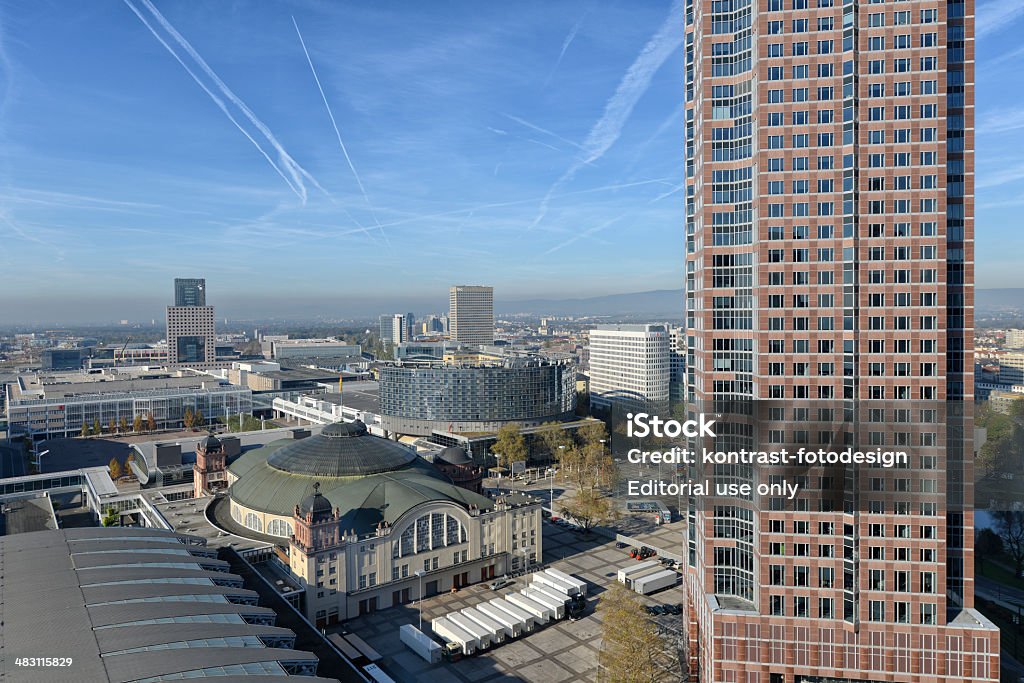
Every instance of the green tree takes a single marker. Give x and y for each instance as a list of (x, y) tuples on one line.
[(589, 508), (189, 419), (198, 419), (137, 424), (110, 518), (510, 446), (553, 436), (85, 429), (150, 422), (115, 469), (632, 650)]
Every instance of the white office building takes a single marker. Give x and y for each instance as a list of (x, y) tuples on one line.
[(471, 314), (630, 366)]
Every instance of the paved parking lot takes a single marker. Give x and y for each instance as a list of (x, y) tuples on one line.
[(565, 652)]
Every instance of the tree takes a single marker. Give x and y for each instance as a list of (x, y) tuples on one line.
[(510, 446), (85, 429), (110, 518), (115, 469), (123, 425), (127, 464), (1009, 524), (137, 423), (592, 432), (589, 508), (96, 429), (112, 426), (553, 436), (150, 422), (199, 419), (987, 544), (189, 418), (632, 650)]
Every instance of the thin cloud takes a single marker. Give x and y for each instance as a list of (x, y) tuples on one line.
[(994, 15), (518, 202), (565, 46), (584, 235), (1004, 176), (334, 124), (1002, 121), (289, 169), (620, 106), (545, 131)]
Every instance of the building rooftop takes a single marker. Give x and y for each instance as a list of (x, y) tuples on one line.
[(126, 601), (368, 478), (26, 515)]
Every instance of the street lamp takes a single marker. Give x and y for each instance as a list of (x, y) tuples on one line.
[(561, 448), (39, 459), (419, 603)]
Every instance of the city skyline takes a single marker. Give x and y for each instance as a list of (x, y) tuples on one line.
[(114, 154)]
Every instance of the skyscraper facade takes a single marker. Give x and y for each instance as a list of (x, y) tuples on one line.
[(189, 291), (191, 335), (829, 262), (471, 314)]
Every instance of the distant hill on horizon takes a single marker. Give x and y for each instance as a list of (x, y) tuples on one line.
[(659, 302)]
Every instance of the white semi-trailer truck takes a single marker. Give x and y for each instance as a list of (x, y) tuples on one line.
[(459, 641), (649, 583), (420, 643)]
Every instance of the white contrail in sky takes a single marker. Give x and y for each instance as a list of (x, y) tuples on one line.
[(341, 143), (286, 166), (545, 131), (620, 106), (565, 46)]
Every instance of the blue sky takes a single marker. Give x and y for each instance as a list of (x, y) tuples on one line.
[(533, 146)]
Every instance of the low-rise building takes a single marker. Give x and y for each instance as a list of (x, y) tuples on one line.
[(57, 404)]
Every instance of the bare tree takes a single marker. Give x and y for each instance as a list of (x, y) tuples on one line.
[(1009, 524)]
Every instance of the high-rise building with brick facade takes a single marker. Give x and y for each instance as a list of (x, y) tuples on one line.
[(829, 267)]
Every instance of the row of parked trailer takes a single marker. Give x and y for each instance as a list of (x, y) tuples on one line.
[(551, 596), (647, 577)]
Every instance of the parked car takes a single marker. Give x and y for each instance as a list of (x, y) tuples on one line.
[(498, 584)]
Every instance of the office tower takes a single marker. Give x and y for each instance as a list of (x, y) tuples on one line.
[(629, 367), (191, 337), (677, 363), (410, 326), (829, 240), (189, 291), (471, 314), (400, 328), (386, 322)]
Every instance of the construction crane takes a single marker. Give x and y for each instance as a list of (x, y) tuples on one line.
[(121, 352)]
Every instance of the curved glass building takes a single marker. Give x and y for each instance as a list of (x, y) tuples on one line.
[(479, 398)]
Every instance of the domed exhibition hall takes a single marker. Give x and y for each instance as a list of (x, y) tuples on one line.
[(362, 522)]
